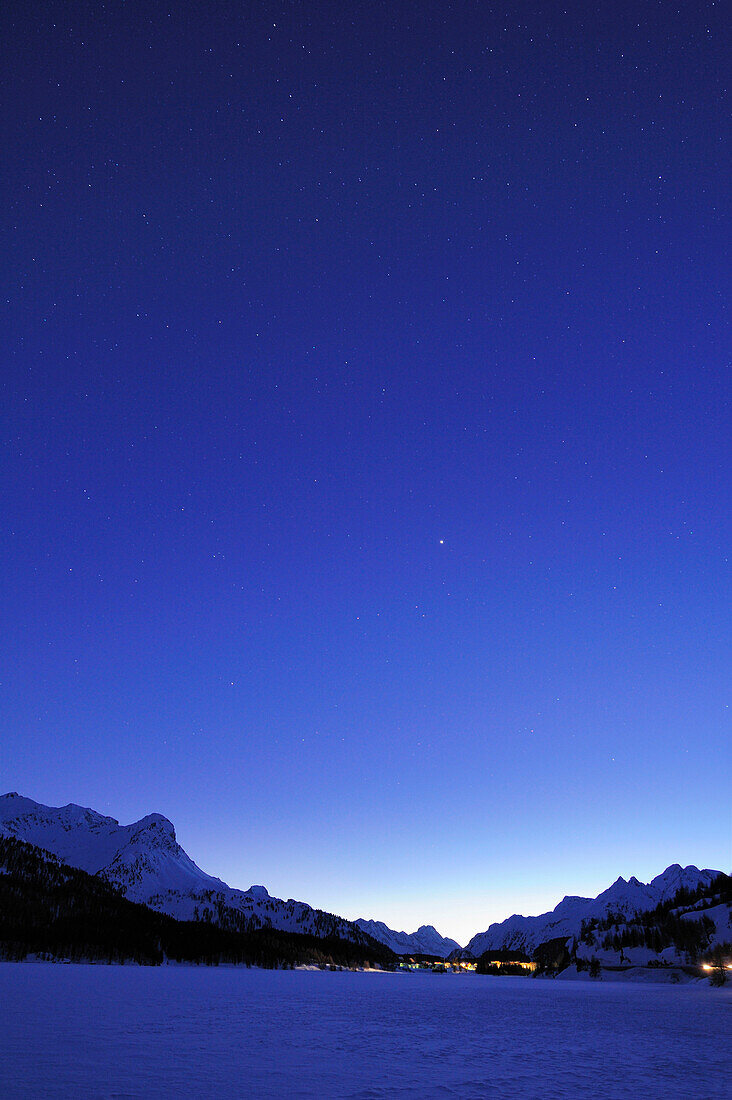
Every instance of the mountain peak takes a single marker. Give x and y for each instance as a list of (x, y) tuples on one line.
[(13, 804), (260, 892), (156, 823), (628, 897), (426, 940), (145, 862)]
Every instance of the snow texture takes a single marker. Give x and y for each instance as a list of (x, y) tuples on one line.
[(111, 1032)]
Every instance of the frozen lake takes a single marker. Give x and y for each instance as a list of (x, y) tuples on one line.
[(102, 1032)]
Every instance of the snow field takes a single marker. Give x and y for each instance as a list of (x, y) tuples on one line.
[(177, 1032)]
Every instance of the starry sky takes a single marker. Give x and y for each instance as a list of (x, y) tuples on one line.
[(365, 440)]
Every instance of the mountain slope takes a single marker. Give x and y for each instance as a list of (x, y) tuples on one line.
[(425, 941), (141, 858), (624, 898), (145, 861), (51, 909), (679, 930)]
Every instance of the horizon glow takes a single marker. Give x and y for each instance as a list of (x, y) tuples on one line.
[(366, 443)]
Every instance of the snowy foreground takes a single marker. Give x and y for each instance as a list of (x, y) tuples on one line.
[(104, 1031)]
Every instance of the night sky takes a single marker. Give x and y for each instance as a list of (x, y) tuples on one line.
[(365, 440)]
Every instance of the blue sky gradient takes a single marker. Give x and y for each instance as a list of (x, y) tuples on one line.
[(365, 420)]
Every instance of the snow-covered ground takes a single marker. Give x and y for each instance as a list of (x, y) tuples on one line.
[(107, 1032)]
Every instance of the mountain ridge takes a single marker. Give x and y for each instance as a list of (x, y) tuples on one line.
[(425, 941), (147, 864), (624, 897)]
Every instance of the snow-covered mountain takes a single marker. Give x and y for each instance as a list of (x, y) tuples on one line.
[(425, 941), (141, 859), (624, 898), (146, 862)]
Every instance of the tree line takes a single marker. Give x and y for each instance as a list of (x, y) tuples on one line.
[(51, 910)]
